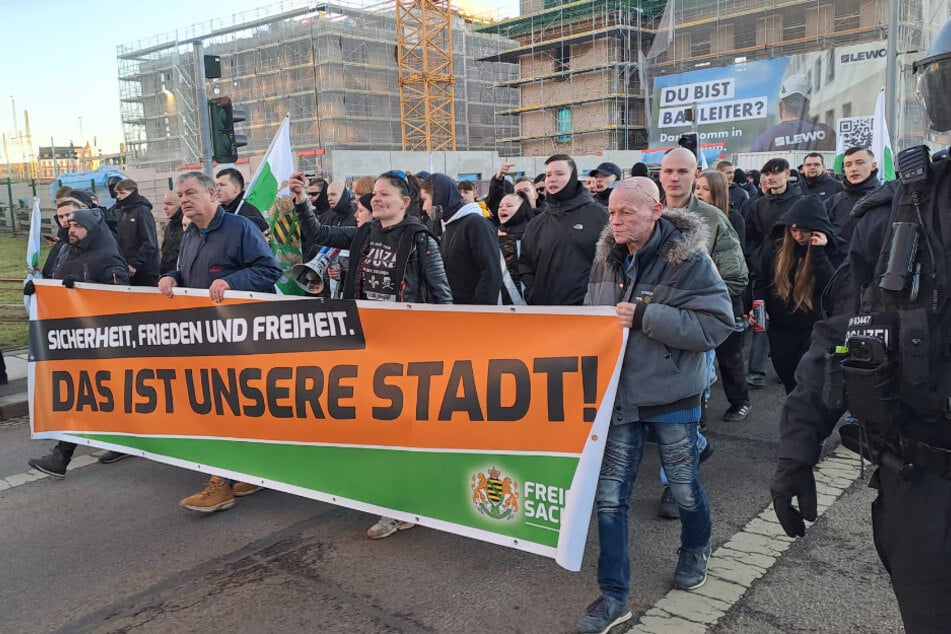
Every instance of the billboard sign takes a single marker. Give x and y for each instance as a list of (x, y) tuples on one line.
[(778, 105)]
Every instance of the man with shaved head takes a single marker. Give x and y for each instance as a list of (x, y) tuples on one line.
[(652, 265), (678, 175)]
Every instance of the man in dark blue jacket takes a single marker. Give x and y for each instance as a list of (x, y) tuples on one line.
[(219, 251)]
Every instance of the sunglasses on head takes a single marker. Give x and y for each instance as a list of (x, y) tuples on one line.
[(399, 175)]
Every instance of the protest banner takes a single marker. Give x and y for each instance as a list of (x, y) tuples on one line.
[(488, 422)]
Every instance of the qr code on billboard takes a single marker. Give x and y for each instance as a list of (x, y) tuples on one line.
[(855, 131)]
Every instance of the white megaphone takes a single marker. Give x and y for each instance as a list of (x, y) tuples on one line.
[(310, 275)]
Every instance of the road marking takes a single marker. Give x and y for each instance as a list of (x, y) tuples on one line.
[(746, 557), (19, 479)]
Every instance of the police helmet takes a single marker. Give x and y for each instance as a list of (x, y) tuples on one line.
[(934, 82)]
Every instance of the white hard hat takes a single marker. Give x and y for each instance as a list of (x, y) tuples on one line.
[(796, 84)]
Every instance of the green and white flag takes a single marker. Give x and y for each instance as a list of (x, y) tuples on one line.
[(33, 271), (269, 192), (881, 142)]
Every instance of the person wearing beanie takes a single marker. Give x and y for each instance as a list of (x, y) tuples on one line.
[(804, 253), (640, 169), (470, 249), (558, 246)]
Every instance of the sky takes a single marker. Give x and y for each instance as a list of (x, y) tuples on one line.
[(59, 61)]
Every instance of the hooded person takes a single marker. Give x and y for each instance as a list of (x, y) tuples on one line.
[(92, 254), (558, 246), (806, 251), (515, 212), (341, 214), (469, 246)]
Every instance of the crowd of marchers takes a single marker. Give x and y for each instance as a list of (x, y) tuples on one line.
[(699, 265)]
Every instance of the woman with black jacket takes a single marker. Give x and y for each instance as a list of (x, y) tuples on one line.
[(805, 255)]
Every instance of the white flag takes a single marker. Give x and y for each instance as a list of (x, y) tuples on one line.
[(33, 271), (881, 142)]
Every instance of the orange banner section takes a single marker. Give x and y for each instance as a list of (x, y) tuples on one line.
[(425, 378)]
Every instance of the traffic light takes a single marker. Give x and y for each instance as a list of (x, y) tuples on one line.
[(689, 141), (224, 142)]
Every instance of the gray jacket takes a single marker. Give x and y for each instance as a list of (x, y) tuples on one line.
[(686, 312)]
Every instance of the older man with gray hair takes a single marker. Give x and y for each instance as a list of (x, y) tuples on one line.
[(219, 251), (653, 266)]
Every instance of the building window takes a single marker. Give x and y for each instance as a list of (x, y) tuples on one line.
[(564, 124), (562, 59)]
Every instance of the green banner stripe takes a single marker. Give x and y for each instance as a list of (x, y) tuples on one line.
[(469, 489)]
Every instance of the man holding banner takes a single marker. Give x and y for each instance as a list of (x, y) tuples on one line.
[(220, 252), (653, 266)]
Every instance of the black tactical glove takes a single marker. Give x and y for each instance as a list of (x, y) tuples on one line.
[(29, 288), (70, 280), (794, 479)]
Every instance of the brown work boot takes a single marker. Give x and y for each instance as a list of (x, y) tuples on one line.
[(216, 496)]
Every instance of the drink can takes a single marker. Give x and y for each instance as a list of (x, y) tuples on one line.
[(759, 315)]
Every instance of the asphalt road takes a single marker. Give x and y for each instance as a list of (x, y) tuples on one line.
[(108, 550)]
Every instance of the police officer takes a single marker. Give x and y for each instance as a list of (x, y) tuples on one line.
[(891, 306)]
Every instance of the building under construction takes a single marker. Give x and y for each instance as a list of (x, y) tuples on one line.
[(585, 68), (332, 67)]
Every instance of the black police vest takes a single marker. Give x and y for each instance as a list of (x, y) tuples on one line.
[(918, 315)]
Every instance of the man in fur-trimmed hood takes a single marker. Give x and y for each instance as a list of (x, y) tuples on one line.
[(654, 267)]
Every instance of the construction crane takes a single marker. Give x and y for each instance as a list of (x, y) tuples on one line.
[(427, 84)]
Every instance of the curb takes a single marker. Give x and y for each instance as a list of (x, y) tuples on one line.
[(13, 406)]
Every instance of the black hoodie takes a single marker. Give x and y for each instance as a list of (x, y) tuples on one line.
[(470, 249), (510, 236), (341, 214), (807, 213), (761, 215)]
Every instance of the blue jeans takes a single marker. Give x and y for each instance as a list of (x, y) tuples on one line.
[(677, 447)]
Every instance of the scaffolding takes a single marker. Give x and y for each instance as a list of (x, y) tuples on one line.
[(332, 67), (581, 74), (585, 68)]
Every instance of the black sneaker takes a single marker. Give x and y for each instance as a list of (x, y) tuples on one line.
[(603, 614), (112, 456), (737, 413), (52, 464), (691, 568), (668, 508), (754, 379)]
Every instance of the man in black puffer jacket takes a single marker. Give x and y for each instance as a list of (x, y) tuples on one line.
[(137, 240), (558, 246)]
